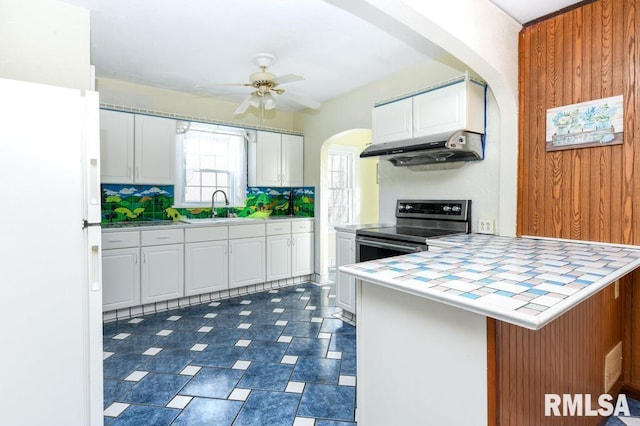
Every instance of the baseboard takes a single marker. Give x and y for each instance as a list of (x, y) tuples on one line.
[(151, 308)]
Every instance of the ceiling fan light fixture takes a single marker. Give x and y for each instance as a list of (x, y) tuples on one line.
[(269, 101), (255, 101)]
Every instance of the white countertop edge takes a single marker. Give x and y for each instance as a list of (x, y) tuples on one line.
[(499, 313), (222, 222), (594, 243)]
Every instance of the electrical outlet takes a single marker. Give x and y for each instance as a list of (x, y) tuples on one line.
[(486, 226)]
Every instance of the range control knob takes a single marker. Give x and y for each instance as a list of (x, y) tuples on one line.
[(446, 208), (455, 209)]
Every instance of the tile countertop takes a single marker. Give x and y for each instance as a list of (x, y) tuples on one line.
[(526, 281)]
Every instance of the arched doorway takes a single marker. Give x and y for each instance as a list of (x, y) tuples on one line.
[(348, 190)]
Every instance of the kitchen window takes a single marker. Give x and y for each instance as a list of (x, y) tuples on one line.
[(210, 158), (342, 176)]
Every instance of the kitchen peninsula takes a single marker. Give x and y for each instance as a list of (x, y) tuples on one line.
[(422, 318)]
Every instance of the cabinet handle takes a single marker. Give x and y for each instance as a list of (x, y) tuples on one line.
[(289, 242), (137, 172), (293, 242), (129, 173), (162, 238), (144, 258), (114, 241), (135, 258)]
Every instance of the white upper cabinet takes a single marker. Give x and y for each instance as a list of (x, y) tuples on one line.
[(136, 148), (116, 147), (268, 159), (278, 160), (458, 106), (292, 154), (393, 121), (154, 150), (445, 110)]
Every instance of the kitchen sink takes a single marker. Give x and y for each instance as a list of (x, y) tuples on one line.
[(214, 220)]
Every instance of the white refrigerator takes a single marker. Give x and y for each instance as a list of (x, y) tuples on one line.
[(50, 265)]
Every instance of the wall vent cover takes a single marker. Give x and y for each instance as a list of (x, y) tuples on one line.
[(612, 366)]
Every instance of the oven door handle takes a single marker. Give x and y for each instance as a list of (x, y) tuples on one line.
[(378, 244)]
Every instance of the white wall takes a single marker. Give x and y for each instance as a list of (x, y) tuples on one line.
[(45, 41), (486, 39)]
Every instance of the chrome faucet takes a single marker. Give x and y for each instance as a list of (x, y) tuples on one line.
[(213, 196)]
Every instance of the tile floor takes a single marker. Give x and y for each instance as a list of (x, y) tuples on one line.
[(634, 410), (279, 357)]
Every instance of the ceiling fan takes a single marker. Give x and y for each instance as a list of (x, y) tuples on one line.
[(267, 84)]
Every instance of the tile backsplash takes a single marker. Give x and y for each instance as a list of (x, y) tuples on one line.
[(126, 202)]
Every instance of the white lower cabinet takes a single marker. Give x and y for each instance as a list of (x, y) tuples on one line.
[(148, 266), (162, 267), (289, 249), (278, 257), (302, 254), (345, 284), (120, 278), (246, 261), (206, 267), (162, 272), (206, 262)]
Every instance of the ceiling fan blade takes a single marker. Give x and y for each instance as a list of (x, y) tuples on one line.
[(232, 84), (303, 100), (287, 78), (246, 103)]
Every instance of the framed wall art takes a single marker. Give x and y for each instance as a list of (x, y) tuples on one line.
[(584, 125)]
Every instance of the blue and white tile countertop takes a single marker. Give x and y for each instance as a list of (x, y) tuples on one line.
[(523, 281)]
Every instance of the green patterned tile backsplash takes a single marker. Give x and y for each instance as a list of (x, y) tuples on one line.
[(154, 202)]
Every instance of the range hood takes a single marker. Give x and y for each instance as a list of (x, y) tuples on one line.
[(437, 149)]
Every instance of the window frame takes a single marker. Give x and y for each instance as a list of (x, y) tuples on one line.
[(236, 195), (353, 152)]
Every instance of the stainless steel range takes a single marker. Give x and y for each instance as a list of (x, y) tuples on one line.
[(416, 222)]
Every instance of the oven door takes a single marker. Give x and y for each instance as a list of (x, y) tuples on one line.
[(368, 248)]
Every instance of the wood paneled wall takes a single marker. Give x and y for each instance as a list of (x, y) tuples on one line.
[(586, 53)]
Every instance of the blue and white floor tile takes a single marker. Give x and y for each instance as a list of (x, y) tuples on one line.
[(279, 357)]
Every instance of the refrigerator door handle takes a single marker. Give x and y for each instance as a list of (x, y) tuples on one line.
[(94, 242)]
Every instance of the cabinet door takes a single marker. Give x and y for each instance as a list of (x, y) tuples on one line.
[(116, 147), (162, 273), (246, 261), (120, 278), (393, 121), (292, 160), (345, 284), (206, 267), (440, 111), (268, 159), (154, 150), (278, 257), (302, 254)]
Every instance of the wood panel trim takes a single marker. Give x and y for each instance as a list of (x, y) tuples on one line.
[(492, 373)]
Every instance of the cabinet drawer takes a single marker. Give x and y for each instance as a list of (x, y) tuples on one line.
[(116, 240), (196, 235), (278, 228), (246, 231), (160, 237), (301, 226)]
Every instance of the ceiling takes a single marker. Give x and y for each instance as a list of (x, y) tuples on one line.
[(196, 46)]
